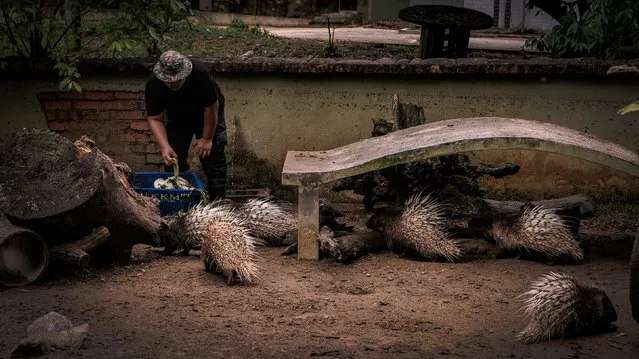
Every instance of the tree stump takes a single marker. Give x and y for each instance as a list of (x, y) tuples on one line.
[(63, 190)]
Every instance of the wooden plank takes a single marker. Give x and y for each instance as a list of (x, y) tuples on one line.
[(312, 168), (308, 222)]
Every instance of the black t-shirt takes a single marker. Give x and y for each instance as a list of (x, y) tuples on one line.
[(184, 109)]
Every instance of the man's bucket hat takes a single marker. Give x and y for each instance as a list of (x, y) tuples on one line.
[(172, 66)]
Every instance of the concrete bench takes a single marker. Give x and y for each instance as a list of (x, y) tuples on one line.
[(309, 169)]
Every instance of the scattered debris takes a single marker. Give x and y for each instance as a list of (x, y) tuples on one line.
[(49, 333)]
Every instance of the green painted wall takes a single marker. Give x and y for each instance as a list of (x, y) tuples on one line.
[(385, 9), (277, 113)]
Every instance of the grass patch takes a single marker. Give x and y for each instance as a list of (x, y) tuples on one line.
[(199, 40)]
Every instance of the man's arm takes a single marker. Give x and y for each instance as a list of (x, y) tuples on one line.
[(210, 121), (159, 132), (204, 144)]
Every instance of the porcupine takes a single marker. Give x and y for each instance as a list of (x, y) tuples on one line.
[(418, 228), (559, 307), (537, 231), (221, 233), (268, 219)]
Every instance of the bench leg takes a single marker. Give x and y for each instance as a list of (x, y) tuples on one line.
[(308, 222)]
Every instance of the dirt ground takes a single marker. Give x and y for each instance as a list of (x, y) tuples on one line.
[(382, 306)]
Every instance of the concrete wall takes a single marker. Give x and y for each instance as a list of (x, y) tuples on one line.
[(276, 113), (385, 9), (219, 18)]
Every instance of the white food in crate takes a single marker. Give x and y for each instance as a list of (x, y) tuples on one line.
[(172, 182)]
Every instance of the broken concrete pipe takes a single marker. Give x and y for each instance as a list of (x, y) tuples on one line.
[(24, 255)]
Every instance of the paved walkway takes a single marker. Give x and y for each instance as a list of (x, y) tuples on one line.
[(385, 36)]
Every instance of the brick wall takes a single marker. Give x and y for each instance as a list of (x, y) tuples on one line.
[(116, 121)]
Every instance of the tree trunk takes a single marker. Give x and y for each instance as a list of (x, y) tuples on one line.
[(63, 190)]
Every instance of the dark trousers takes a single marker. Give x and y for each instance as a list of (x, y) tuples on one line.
[(214, 165)]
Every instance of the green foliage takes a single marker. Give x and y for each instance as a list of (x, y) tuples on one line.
[(238, 25), (607, 29), (148, 22), (68, 71), (53, 29), (242, 27), (331, 50), (38, 29)]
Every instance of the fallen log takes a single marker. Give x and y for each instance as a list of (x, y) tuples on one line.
[(347, 248), (63, 190), (572, 209), (75, 253), (24, 255), (583, 202)]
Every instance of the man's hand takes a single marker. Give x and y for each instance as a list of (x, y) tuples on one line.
[(169, 156), (203, 147)]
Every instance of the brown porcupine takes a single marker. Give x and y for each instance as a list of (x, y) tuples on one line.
[(418, 228), (559, 307), (219, 230), (268, 219), (537, 231)]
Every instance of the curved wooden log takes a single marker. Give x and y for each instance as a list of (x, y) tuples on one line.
[(309, 169), (63, 190), (312, 168)]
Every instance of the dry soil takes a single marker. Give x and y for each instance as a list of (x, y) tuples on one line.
[(382, 306)]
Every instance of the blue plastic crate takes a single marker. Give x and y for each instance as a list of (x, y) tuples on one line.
[(171, 200)]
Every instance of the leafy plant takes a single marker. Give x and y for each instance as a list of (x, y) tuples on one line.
[(331, 50), (240, 26), (53, 30), (68, 71), (41, 30), (625, 68), (149, 22), (607, 29)]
